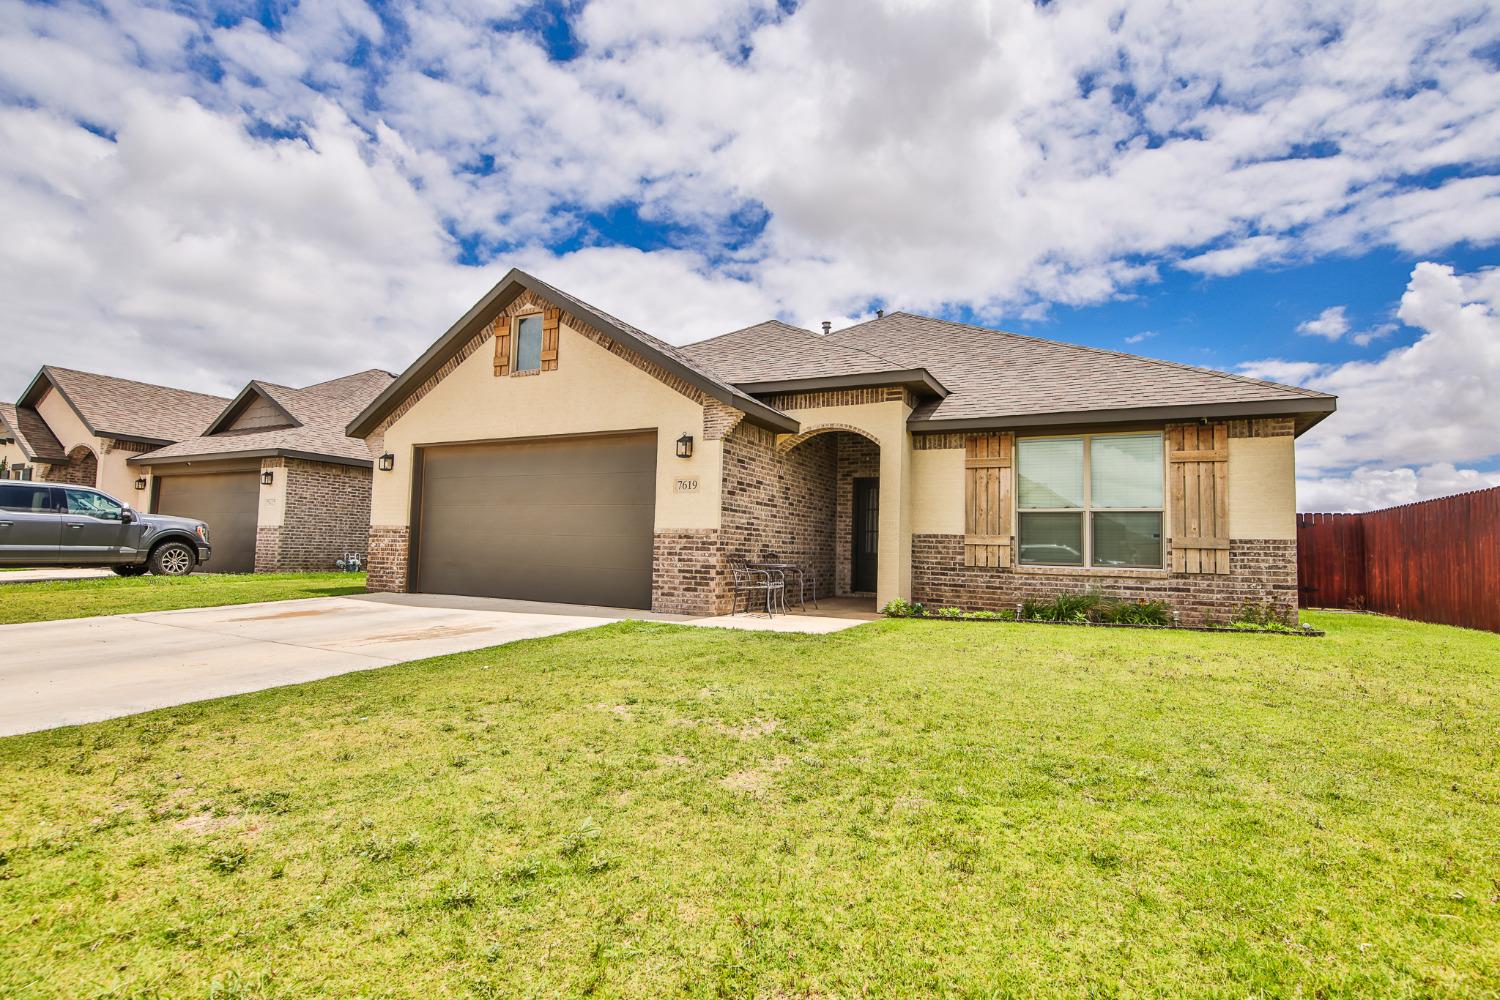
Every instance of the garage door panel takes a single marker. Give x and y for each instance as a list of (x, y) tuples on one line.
[(229, 503), (484, 492), (567, 520)]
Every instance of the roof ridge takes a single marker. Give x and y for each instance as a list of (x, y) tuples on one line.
[(746, 329), (118, 378), (1311, 393), (341, 378)]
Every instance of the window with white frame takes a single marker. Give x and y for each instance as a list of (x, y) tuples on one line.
[(1090, 500), (528, 344)]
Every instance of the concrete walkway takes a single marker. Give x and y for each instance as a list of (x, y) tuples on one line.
[(86, 669), (56, 573)]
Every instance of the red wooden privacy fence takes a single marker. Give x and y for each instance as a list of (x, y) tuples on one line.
[(1435, 561)]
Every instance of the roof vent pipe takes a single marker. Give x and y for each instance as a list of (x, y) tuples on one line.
[(827, 327), (880, 314)]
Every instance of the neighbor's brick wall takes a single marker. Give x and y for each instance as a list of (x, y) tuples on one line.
[(82, 469), (327, 516), (858, 458), (687, 572), (1260, 570), (387, 562)]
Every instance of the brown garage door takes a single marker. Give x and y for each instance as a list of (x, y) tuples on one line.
[(228, 502), (566, 520)]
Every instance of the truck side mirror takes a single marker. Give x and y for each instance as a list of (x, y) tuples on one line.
[(127, 515)]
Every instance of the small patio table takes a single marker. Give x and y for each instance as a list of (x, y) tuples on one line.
[(802, 578)]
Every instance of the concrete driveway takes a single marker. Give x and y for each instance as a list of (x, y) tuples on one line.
[(67, 672)]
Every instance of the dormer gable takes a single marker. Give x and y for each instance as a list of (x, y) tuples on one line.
[(256, 408)]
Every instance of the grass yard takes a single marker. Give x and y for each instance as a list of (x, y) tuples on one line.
[(45, 602), (909, 808)]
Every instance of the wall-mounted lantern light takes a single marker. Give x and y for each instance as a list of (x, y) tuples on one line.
[(387, 462), (266, 477), (685, 446), (140, 482)]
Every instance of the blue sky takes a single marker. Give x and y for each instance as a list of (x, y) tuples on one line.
[(202, 194)]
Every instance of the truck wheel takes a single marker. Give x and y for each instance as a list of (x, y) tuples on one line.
[(173, 559), (129, 570)]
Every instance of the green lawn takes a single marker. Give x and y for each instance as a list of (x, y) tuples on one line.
[(43, 602), (906, 809)]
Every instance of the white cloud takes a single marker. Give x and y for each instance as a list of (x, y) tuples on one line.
[(1140, 338), (1371, 488), (1365, 338), (1330, 324), (999, 156), (1407, 419)]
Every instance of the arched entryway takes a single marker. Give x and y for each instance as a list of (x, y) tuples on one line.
[(82, 468), (829, 490)]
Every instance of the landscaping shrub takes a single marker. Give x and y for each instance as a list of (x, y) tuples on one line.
[(1259, 616), (903, 609), (1134, 613)]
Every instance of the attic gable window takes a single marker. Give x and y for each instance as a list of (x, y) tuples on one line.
[(528, 344)]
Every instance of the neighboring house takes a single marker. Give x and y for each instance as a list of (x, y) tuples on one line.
[(543, 449), (81, 428), (272, 472)]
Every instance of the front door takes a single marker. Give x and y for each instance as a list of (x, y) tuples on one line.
[(866, 542)]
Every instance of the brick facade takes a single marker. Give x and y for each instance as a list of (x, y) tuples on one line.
[(687, 572), (1260, 571), (82, 469), (780, 500), (387, 559), (327, 516)]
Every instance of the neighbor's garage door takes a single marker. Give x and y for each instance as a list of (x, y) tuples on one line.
[(228, 502), (566, 520)]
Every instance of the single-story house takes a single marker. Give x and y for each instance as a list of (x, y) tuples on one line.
[(281, 486), (272, 472), (82, 428), (543, 449)]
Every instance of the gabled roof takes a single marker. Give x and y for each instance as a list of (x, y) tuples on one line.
[(318, 415), (31, 432), (776, 357), (991, 378), (505, 292), (124, 409), (254, 390)]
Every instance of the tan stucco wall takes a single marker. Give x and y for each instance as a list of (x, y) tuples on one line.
[(1262, 487), (886, 423), (273, 497), (591, 391), (115, 477), (937, 492)]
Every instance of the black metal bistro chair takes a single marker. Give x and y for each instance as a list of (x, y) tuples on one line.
[(774, 561), (751, 581)]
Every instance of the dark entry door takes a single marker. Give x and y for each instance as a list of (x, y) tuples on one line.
[(866, 542), (560, 519)]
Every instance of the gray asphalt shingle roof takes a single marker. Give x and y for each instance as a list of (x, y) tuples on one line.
[(988, 373), (31, 433), (323, 410), (113, 406)]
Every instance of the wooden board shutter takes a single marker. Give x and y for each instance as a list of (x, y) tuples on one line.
[(502, 344), (551, 320), (988, 459), (1198, 479)]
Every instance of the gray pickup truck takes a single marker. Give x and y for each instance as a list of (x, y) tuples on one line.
[(48, 524)]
